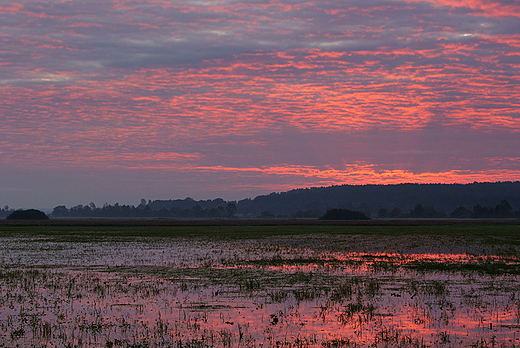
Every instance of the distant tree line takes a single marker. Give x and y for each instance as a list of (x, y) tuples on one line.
[(219, 208), (223, 210), (313, 202), (477, 200), (500, 211)]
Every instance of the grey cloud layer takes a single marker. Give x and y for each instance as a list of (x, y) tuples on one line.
[(145, 34)]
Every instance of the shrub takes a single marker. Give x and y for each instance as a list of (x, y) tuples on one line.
[(30, 214), (343, 214)]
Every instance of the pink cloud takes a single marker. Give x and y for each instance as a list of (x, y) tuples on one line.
[(167, 86)]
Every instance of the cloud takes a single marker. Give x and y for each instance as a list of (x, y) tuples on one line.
[(151, 84), (358, 174)]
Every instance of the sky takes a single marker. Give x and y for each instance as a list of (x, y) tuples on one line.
[(110, 101)]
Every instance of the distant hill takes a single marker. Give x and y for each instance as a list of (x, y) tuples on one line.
[(313, 202)]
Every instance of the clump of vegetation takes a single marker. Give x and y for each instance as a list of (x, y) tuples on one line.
[(343, 214), (29, 214)]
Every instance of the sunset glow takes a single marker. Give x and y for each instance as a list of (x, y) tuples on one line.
[(124, 99)]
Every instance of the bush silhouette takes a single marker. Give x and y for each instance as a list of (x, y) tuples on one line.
[(343, 214), (30, 214)]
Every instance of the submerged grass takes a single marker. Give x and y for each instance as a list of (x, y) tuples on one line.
[(484, 267)]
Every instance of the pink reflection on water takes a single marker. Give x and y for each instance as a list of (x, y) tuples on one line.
[(376, 306), (398, 258)]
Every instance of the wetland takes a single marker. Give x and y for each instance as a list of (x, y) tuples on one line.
[(426, 285)]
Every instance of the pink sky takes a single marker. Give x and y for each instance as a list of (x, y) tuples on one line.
[(118, 100)]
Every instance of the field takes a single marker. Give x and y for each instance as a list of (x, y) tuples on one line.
[(265, 285)]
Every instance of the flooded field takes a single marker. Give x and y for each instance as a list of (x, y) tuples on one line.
[(209, 287)]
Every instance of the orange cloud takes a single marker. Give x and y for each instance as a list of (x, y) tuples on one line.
[(362, 174)]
